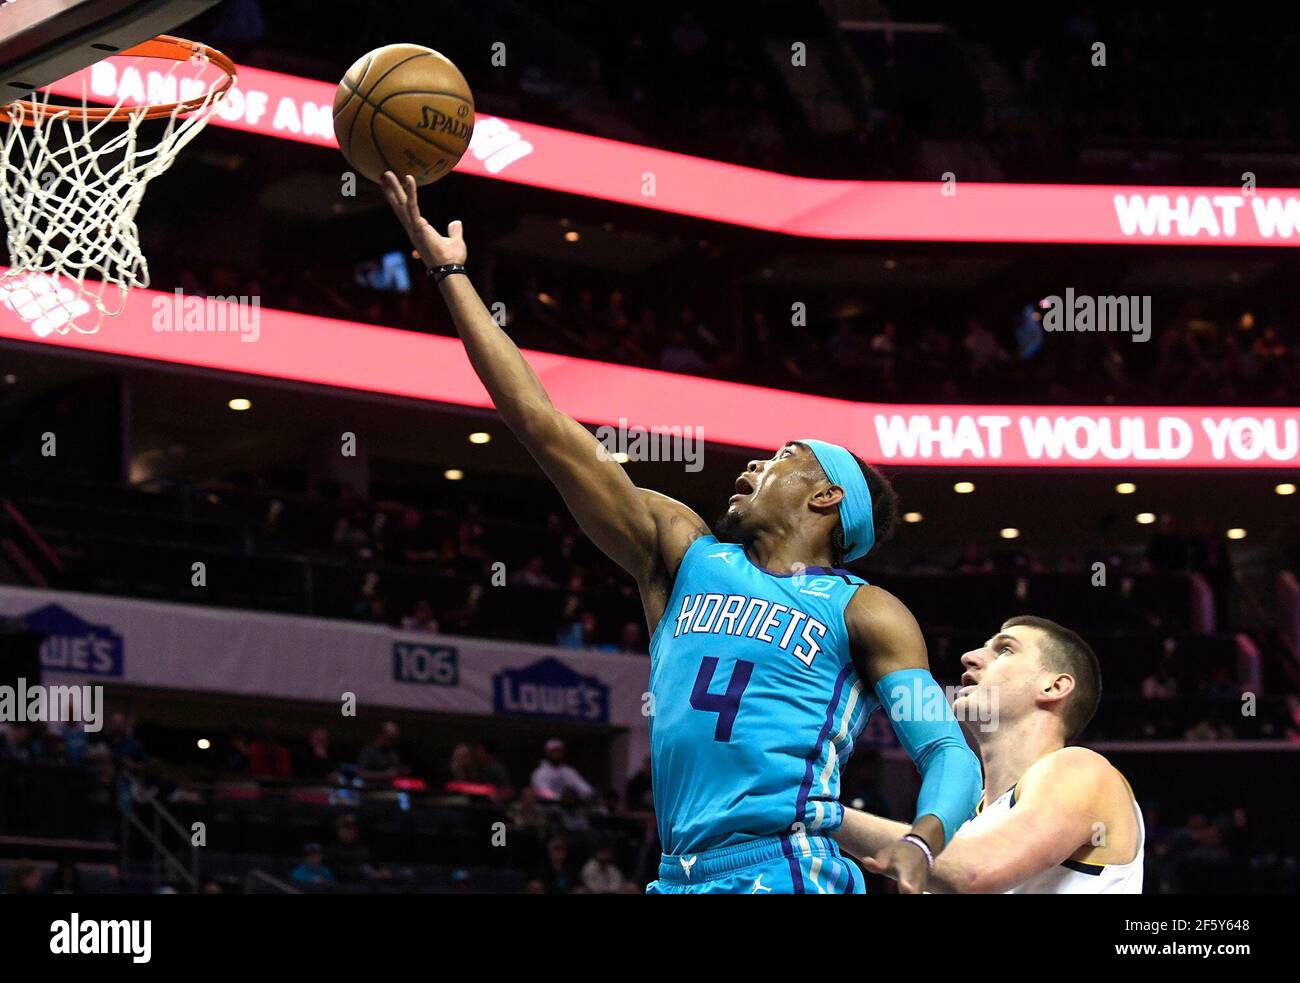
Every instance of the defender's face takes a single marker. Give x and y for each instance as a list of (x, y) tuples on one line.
[(1005, 672), (772, 488)]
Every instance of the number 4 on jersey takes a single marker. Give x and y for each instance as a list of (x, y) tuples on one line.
[(727, 705)]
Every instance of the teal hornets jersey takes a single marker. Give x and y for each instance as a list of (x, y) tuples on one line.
[(755, 702)]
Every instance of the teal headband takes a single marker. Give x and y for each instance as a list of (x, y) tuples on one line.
[(855, 507)]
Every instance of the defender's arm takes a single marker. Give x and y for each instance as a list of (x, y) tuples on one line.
[(1055, 814)]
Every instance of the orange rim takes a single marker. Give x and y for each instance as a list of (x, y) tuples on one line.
[(165, 47)]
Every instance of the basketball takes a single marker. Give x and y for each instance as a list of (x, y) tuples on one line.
[(403, 108)]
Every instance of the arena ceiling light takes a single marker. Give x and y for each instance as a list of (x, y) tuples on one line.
[(1285, 488), (1126, 488), (480, 437), (1146, 518), (964, 487)]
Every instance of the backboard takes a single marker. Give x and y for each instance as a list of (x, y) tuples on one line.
[(42, 41)]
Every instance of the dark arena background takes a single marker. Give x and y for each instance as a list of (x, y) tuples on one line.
[(338, 616)]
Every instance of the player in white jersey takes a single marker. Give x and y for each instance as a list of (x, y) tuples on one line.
[(1053, 819)]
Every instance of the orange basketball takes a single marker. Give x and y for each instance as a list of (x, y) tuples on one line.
[(403, 108)]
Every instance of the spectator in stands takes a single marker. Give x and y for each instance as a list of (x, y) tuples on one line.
[(580, 632), (472, 556), (267, 757), (639, 794), (1168, 550), (370, 604), (127, 752), (1160, 685), (379, 760), (1202, 730), (468, 618), (350, 859), (27, 879), (487, 769), (679, 356), (527, 812), (66, 879), (376, 610), (972, 560), (556, 874), (414, 541), (1293, 712), (311, 872), (552, 777), (983, 352), (273, 521), (1221, 685), (17, 743), (614, 319), (421, 618), (235, 758), (462, 763), (351, 533), (72, 740), (632, 638), (317, 760), (600, 875), (574, 813), (532, 573), (541, 304)]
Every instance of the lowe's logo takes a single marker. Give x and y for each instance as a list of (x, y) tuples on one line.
[(74, 645), (550, 688)]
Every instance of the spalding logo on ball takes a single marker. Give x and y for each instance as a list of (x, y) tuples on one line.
[(403, 108)]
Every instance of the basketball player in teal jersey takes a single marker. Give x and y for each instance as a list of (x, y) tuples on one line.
[(766, 658)]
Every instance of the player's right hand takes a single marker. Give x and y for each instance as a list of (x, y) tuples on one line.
[(434, 249), (905, 863)]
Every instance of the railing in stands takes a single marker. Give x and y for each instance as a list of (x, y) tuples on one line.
[(165, 864), (256, 877), (33, 536)]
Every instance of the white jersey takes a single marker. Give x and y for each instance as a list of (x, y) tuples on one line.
[(1073, 876)]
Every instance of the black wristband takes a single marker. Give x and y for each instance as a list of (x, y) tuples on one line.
[(440, 273)]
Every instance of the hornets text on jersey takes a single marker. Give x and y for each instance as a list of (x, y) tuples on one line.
[(755, 702)]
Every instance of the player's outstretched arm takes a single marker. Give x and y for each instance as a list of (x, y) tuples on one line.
[(889, 650), (1060, 805), (865, 834), (1057, 812), (642, 531)]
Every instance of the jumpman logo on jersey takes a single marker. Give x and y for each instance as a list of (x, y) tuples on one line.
[(726, 557), (760, 886), (687, 863)]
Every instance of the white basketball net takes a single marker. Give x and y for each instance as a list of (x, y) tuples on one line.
[(69, 191)]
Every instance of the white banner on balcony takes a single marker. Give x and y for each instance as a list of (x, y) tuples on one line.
[(95, 639)]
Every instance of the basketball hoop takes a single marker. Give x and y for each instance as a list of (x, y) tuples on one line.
[(72, 177)]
